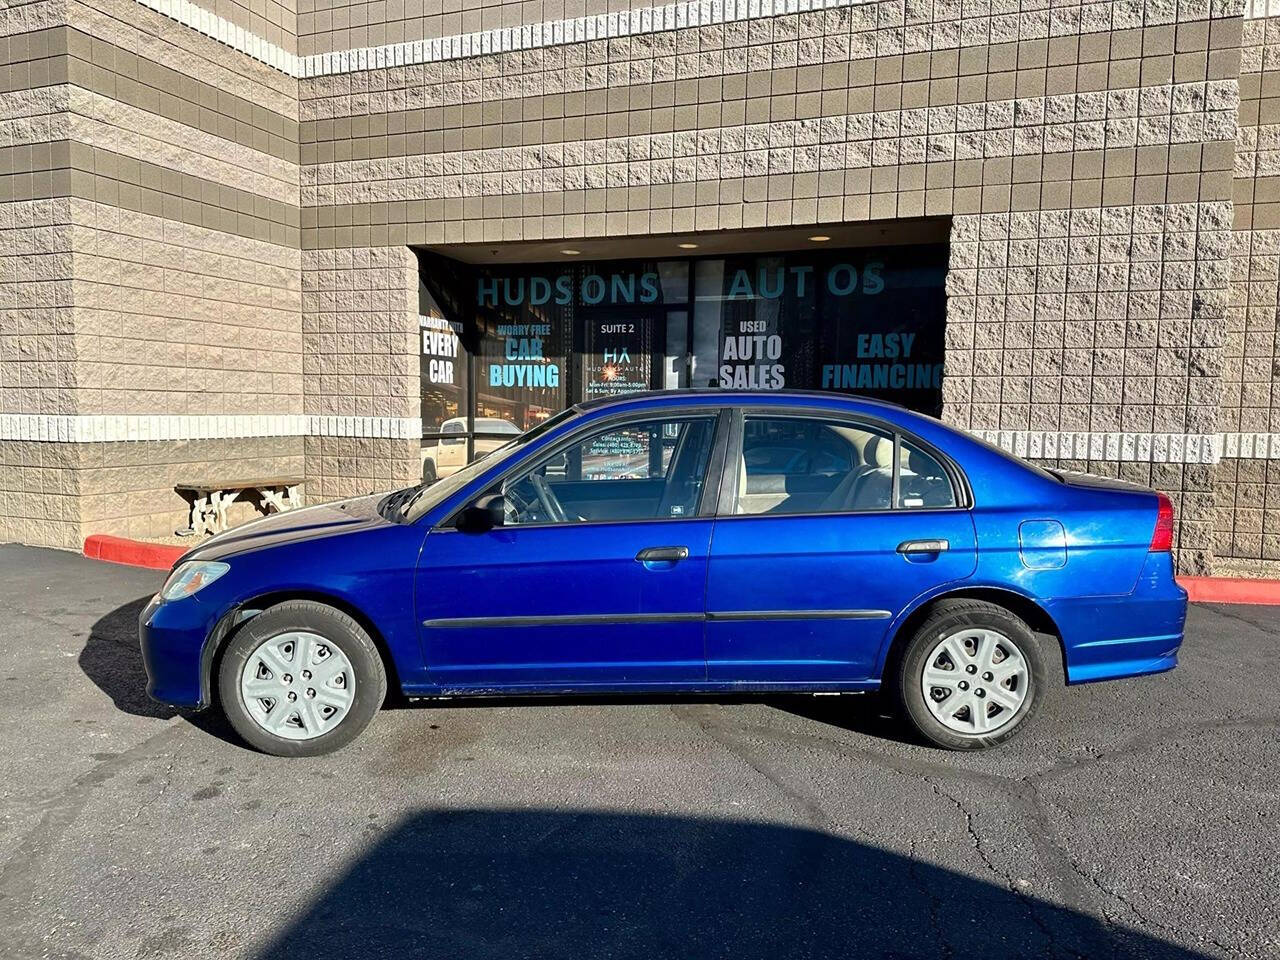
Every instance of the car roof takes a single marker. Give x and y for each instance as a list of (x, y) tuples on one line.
[(703, 396)]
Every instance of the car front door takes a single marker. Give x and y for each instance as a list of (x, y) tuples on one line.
[(821, 542), (597, 574)]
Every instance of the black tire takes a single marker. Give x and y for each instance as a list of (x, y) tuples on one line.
[(946, 618), (336, 629), (429, 471)]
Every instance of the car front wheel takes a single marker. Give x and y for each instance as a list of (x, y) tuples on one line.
[(301, 679), (970, 676)]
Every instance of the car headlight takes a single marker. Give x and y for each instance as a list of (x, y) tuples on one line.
[(192, 577)]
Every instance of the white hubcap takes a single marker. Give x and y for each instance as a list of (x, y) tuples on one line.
[(297, 685), (975, 681)]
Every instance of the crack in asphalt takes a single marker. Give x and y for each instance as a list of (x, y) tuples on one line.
[(1142, 917), (1049, 853), (700, 718), (1149, 739), (931, 898), (163, 789), (1025, 799), (1024, 795)]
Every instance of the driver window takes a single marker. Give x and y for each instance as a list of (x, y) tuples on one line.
[(643, 470)]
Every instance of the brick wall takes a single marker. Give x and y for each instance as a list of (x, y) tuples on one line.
[(360, 330), (218, 236), (276, 21), (1247, 521), (1093, 320), (149, 229)]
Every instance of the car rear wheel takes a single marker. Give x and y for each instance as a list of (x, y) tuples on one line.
[(301, 679), (970, 676)]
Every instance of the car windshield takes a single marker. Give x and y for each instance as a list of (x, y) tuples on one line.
[(409, 503)]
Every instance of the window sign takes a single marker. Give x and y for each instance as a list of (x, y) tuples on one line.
[(439, 350), (885, 337), (618, 357), (620, 454), (612, 314), (443, 369), (865, 320), (751, 356), (523, 345), (524, 362)]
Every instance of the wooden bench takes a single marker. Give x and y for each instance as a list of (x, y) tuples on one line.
[(210, 500)]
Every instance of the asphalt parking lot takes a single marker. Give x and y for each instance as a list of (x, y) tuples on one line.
[(1137, 819)]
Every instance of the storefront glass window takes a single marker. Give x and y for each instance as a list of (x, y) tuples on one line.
[(511, 345)]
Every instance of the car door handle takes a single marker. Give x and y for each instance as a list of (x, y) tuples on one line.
[(662, 554), (923, 546)]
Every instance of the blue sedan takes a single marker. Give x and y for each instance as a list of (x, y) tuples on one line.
[(688, 542)]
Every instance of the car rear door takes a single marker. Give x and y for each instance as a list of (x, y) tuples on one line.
[(609, 594), (802, 590)]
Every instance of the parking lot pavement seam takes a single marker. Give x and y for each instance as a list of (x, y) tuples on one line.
[(1232, 613), (1147, 740), (696, 716)]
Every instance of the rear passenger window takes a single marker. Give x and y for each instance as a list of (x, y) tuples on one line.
[(803, 465), (795, 465), (923, 482)]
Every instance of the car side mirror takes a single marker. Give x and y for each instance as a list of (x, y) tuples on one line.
[(484, 514)]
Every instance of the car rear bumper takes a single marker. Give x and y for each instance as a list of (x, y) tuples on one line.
[(1106, 638), (173, 638)]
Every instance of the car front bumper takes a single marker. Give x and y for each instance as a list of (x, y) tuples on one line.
[(175, 650), (1106, 638)]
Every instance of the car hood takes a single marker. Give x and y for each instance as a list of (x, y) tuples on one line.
[(292, 526)]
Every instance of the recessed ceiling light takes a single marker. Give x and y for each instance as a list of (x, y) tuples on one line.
[(687, 246), (571, 253), (819, 238)]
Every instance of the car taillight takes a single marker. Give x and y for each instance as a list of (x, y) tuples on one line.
[(1162, 538)]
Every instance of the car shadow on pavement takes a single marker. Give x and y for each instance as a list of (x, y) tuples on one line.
[(565, 884), (869, 714), (864, 713), (112, 659)]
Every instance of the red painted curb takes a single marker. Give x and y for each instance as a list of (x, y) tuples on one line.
[(1231, 590), (133, 553)]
